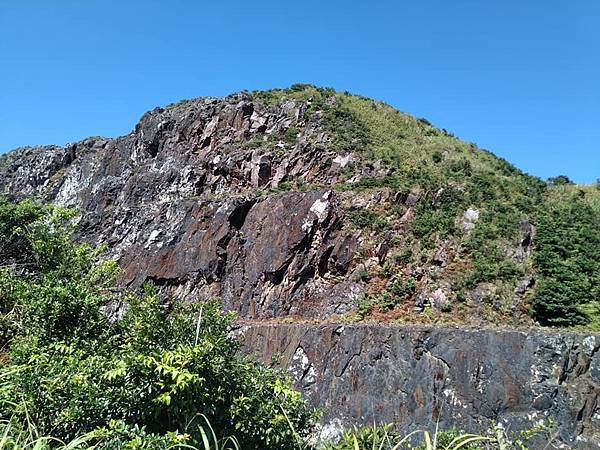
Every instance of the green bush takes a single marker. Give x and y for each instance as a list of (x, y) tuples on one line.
[(291, 135), (404, 288), (567, 258), (365, 218), (437, 212), (559, 180), (398, 291), (156, 371)]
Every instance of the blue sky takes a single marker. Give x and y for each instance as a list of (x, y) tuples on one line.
[(520, 78)]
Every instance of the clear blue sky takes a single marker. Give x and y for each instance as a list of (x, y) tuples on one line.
[(520, 78)]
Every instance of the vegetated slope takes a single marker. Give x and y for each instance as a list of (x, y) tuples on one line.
[(311, 203)]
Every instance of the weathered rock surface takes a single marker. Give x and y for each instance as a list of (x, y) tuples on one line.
[(177, 202), (251, 201), (417, 376)]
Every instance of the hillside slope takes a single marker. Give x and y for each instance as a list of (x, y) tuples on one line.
[(307, 203)]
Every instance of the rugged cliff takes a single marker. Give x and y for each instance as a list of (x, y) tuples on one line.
[(309, 205), (302, 202), (420, 376), (182, 202)]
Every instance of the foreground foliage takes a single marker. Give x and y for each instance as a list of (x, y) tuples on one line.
[(149, 377), (378, 437), (382, 437)]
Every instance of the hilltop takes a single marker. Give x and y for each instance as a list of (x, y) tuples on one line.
[(310, 204)]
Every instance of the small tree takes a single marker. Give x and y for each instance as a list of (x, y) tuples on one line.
[(567, 257), (559, 180)]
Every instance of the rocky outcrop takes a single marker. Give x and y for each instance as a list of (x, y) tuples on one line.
[(181, 202), (460, 378), (270, 205)]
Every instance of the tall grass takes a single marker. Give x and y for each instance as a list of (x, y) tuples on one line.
[(382, 438), (16, 438), (25, 436)]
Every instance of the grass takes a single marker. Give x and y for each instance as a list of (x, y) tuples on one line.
[(591, 310), (377, 437), (27, 437), (564, 194), (382, 437)]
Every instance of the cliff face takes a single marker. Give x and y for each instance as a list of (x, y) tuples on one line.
[(289, 203), (419, 376), (307, 204), (182, 202)]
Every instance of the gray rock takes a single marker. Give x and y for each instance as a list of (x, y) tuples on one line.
[(438, 299), (470, 217), (177, 203), (527, 233), (466, 379), (441, 257)]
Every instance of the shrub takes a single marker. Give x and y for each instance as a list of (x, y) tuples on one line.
[(155, 372), (436, 213), (368, 437), (567, 257), (404, 288), (382, 437), (291, 135), (365, 218), (559, 180)]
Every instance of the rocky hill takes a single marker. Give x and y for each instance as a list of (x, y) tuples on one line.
[(309, 204), (306, 205)]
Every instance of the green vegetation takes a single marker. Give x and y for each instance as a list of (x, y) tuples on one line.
[(402, 154), (367, 219), (456, 177), (14, 438), (378, 437), (149, 377), (560, 180), (382, 437), (158, 376), (346, 132), (567, 258), (399, 291)]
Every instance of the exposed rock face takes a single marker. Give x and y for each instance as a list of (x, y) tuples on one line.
[(417, 376), (177, 203), (250, 201)]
